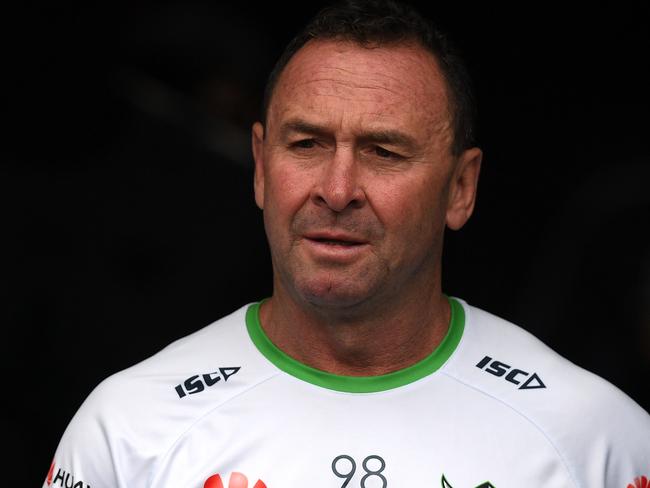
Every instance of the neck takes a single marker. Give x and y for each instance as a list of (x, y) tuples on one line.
[(390, 337)]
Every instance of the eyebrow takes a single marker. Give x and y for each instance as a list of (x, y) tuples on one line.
[(302, 126), (380, 136), (391, 137)]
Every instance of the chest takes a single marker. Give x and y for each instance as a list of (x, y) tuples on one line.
[(288, 434)]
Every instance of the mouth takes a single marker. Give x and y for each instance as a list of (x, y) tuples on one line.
[(331, 239), (335, 248), (336, 242)]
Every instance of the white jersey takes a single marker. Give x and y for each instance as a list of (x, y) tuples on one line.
[(224, 408)]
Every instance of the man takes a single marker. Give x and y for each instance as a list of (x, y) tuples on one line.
[(359, 371)]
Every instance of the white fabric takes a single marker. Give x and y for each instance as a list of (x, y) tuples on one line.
[(462, 422)]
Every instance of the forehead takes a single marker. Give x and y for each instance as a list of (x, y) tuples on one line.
[(345, 83)]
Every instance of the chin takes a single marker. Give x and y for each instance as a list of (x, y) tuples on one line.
[(334, 296)]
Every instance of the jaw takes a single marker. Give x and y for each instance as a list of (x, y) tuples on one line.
[(359, 290), (338, 284)]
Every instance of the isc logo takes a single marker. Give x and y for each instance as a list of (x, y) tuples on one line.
[(198, 383), (521, 378)]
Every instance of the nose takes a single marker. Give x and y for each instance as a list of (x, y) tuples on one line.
[(339, 186)]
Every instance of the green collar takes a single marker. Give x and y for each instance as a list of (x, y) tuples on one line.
[(358, 384)]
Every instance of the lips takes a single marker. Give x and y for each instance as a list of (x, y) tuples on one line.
[(335, 239), (336, 243), (331, 248)]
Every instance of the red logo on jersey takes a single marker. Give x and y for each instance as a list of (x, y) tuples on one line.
[(237, 480), (50, 474), (640, 482)]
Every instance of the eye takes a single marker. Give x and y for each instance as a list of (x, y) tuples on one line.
[(384, 153), (303, 144)]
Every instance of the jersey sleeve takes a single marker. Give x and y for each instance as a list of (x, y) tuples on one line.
[(112, 441), (86, 453), (618, 431)]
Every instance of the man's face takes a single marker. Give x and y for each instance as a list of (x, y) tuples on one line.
[(354, 173)]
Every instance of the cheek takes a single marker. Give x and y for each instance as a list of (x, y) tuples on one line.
[(286, 191), (410, 205)]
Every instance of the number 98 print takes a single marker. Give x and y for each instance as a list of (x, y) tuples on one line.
[(345, 467)]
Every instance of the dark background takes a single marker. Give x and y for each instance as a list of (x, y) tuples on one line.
[(126, 186)]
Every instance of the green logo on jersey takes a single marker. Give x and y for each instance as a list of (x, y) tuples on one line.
[(445, 484)]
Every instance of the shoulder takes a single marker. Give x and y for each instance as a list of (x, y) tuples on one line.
[(583, 416), (142, 410), (192, 373)]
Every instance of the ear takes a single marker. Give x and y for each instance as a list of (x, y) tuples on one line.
[(462, 188), (257, 134)]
